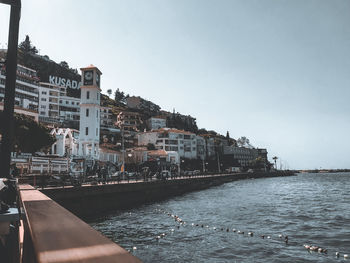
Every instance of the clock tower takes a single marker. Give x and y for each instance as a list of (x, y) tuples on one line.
[(89, 126)]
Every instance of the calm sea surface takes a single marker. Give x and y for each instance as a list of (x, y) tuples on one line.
[(309, 208)]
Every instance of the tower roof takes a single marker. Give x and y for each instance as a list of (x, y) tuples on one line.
[(91, 67)]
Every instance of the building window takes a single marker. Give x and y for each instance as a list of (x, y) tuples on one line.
[(44, 92), (96, 131), (87, 112), (96, 113), (88, 95), (87, 131), (43, 99), (67, 101)]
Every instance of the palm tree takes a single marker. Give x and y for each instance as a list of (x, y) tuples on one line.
[(275, 159)]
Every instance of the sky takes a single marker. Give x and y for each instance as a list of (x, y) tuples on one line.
[(275, 71)]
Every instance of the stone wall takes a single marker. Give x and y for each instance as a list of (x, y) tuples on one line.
[(94, 200)]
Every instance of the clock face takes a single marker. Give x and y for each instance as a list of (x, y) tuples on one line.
[(88, 76), (97, 80)]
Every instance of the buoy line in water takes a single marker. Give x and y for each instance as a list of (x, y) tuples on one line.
[(274, 238)]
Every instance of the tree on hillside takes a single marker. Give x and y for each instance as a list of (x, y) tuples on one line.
[(26, 128), (213, 132), (64, 64), (244, 142), (109, 92), (227, 135), (119, 97), (202, 131), (27, 47)]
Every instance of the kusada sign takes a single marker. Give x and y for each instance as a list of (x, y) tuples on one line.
[(63, 82)]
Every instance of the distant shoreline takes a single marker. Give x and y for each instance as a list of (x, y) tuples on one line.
[(324, 171)]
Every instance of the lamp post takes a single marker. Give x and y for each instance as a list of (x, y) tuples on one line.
[(275, 159), (10, 86)]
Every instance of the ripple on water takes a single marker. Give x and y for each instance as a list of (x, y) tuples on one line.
[(309, 208)]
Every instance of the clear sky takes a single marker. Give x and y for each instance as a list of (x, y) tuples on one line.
[(275, 71)]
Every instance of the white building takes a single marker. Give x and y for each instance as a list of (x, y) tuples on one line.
[(107, 117), (108, 155), (55, 106), (69, 108), (90, 113), (200, 147), (209, 147), (66, 142), (183, 142), (48, 102), (29, 113), (27, 88), (155, 123)]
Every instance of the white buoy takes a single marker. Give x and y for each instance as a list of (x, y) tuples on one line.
[(134, 248), (337, 254), (307, 246), (158, 237), (346, 256), (268, 237), (280, 236), (172, 230)]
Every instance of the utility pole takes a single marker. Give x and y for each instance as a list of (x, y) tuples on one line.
[(10, 86), (218, 162)]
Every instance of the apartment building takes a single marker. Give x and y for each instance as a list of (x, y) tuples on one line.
[(129, 122), (243, 155), (48, 102), (182, 142), (69, 108), (107, 119), (27, 88), (155, 123)]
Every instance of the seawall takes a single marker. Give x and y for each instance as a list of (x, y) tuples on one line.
[(89, 200)]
